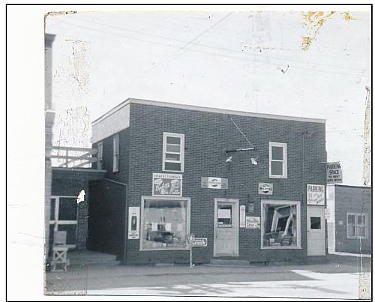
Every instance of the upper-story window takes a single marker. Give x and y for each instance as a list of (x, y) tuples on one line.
[(278, 160), (173, 152), (116, 153), (99, 163)]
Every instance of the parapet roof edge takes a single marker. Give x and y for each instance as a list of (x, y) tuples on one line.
[(204, 109), (352, 186)]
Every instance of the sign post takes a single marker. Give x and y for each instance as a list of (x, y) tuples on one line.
[(191, 240), (195, 242)]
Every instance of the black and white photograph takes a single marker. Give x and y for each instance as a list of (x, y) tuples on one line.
[(194, 152)]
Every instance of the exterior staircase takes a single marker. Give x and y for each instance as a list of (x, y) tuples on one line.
[(85, 257)]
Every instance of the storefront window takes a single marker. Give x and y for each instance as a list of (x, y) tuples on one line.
[(280, 224), (165, 223)]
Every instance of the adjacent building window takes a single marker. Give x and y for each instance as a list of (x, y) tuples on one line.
[(116, 153), (281, 224), (165, 223), (173, 152), (99, 163), (278, 160), (356, 226)]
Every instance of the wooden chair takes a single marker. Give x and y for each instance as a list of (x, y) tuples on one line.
[(59, 251)]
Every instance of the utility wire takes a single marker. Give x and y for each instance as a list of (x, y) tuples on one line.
[(203, 45), (360, 73), (243, 134)]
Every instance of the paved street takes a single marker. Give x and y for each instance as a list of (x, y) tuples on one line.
[(334, 280)]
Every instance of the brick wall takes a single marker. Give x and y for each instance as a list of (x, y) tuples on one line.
[(207, 135), (350, 199)]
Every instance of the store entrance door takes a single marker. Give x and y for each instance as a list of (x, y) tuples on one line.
[(316, 230), (226, 227)]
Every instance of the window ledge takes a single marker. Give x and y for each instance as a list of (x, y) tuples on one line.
[(165, 249), (281, 248)]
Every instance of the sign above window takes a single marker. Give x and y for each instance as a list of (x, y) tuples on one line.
[(315, 195), (265, 188), (166, 184), (214, 183)]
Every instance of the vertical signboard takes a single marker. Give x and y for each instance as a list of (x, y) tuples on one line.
[(242, 216), (133, 223), (334, 173)]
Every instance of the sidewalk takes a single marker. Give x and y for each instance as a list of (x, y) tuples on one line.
[(81, 279), (350, 254)]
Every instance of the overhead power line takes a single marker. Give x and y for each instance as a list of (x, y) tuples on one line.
[(362, 73), (90, 21)]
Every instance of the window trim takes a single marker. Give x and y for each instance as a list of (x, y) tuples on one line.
[(116, 156), (56, 221), (356, 225), (181, 153), (99, 163), (188, 209), (284, 161), (262, 220)]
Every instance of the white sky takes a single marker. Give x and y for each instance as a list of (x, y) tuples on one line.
[(241, 60)]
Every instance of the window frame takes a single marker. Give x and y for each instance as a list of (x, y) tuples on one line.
[(356, 225), (56, 222), (298, 218), (181, 153), (284, 161), (188, 208), (116, 155), (99, 163)]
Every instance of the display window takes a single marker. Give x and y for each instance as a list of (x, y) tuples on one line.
[(165, 223), (280, 224)]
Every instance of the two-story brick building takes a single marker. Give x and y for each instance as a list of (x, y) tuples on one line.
[(237, 179)]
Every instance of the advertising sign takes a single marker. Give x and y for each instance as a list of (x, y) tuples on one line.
[(334, 173), (242, 216), (133, 226), (199, 242), (265, 188), (315, 195), (166, 184), (214, 183), (252, 222)]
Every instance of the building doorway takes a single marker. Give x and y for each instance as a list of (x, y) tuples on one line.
[(316, 229), (63, 217), (226, 227)]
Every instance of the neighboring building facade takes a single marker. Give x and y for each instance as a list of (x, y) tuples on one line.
[(349, 218), (239, 180), (49, 120)]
